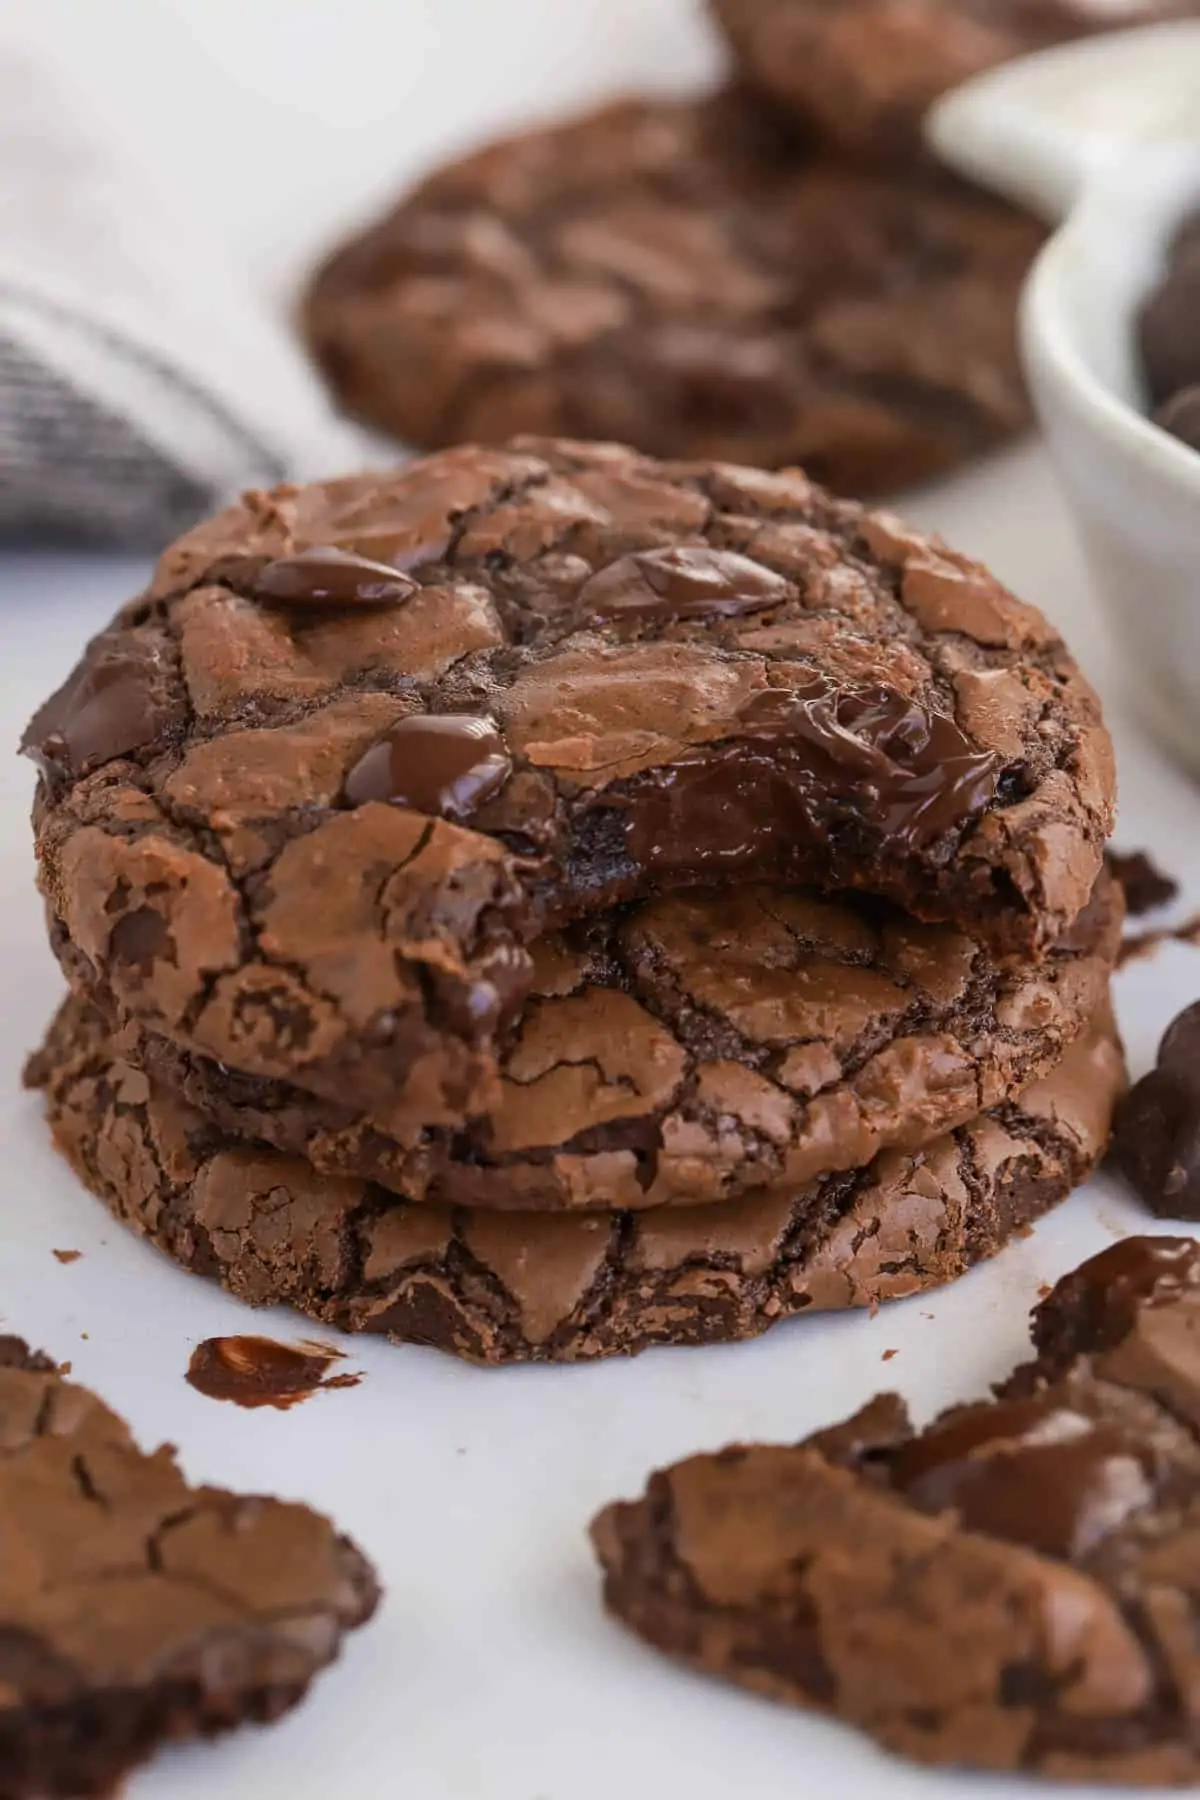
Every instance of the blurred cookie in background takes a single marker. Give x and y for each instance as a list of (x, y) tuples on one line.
[(691, 278), (863, 73)]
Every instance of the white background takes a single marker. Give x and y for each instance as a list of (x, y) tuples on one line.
[(491, 1673)]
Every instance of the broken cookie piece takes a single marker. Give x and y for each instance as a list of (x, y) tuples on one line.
[(1015, 1587), (136, 1610)]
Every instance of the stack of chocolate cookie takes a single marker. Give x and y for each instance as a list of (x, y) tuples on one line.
[(773, 273), (545, 902)]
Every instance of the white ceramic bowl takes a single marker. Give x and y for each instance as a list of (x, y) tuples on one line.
[(1106, 134)]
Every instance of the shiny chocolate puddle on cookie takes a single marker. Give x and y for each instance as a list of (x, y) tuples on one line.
[(811, 757)]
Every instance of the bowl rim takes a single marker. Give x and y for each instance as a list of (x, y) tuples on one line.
[(1050, 345)]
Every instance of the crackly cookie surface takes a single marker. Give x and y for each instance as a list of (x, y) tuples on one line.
[(136, 1610), (524, 1286), (703, 1044), (1013, 1587), (686, 277), (863, 73), (305, 802)]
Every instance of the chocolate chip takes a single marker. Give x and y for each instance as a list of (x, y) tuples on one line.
[(1033, 1472), (1156, 1139), (444, 764), (1181, 415), (331, 577), (685, 582)]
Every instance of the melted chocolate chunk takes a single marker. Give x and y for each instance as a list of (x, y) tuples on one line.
[(331, 577), (443, 764), (137, 1611), (818, 757), (688, 582), (258, 1371), (1099, 1302), (1031, 1471), (113, 707)]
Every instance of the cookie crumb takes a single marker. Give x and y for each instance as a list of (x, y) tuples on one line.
[(1144, 943), (67, 1256), (1146, 887), (888, 1355)]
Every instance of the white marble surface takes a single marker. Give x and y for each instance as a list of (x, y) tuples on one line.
[(491, 1673)]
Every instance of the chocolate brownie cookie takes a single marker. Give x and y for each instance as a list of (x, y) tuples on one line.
[(306, 801), (863, 73), (685, 277), (517, 1287), (1014, 1587), (704, 1044), (135, 1610)]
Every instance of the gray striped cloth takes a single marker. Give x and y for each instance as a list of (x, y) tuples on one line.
[(142, 382)]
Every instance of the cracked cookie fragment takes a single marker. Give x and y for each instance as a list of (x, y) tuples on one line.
[(1015, 1587), (135, 1610), (521, 1286), (313, 838)]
